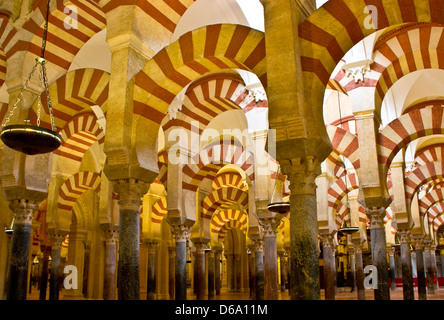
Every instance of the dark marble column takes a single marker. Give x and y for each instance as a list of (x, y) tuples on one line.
[(151, 272), (217, 269), (56, 239), (199, 265), (252, 271), (351, 251), (406, 261), (130, 192), (391, 252), (288, 269), (329, 270), (379, 251), (20, 245), (420, 271), (304, 256), (171, 270), (434, 269), (428, 267), (259, 269), (181, 234), (46, 250), (237, 269), (282, 269), (110, 233), (230, 271), (211, 274), (359, 273), (270, 256)]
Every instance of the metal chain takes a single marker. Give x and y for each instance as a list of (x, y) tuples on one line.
[(48, 95)]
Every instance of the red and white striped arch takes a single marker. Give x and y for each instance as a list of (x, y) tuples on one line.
[(340, 188), (74, 187), (435, 214), (78, 135), (431, 153), (422, 175), (223, 198), (403, 130), (232, 224), (227, 215), (229, 179), (72, 94), (159, 210), (207, 49), (212, 158), (429, 199), (342, 214), (345, 143), (62, 44)]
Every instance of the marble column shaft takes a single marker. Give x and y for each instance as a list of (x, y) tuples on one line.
[(199, 281), (420, 270), (130, 192), (44, 275), (181, 234), (282, 270), (109, 277), (406, 261), (391, 252), (171, 270), (359, 273), (55, 273), (20, 245), (429, 268), (151, 272), (211, 274), (329, 270), (270, 257), (379, 251), (217, 272), (259, 269)]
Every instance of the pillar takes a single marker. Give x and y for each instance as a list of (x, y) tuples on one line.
[(259, 268), (406, 261), (428, 267), (110, 234), (435, 272), (211, 274), (46, 250), (252, 271), (329, 270), (171, 270), (20, 245), (379, 250), (359, 273), (76, 258), (199, 280), (56, 239), (420, 270), (217, 269), (391, 252), (130, 193), (351, 250), (152, 262), (181, 233), (270, 256), (282, 269)]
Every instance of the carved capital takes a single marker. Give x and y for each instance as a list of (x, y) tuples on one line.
[(270, 225), (23, 210), (376, 216), (257, 245), (418, 243), (200, 246), (405, 236), (152, 246), (301, 173), (130, 192), (327, 240), (56, 240), (181, 232), (110, 233)]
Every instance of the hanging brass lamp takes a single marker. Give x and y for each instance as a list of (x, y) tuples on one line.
[(277, 204), (27, 138)]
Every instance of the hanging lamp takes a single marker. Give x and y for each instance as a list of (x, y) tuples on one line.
[(346, 229), (277, 204), (27, 138)]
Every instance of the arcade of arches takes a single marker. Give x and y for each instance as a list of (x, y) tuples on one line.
[(181, 120)]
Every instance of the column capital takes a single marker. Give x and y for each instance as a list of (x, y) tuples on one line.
[(376, 216), (110, 233), (152, 245), (130, 192), (181, 232), (327, 240), (270, 225), (200, 245), (56, 239), (418, 243), (257, 245), (391, 250), (23, 210), (301, 173), (405, 235)]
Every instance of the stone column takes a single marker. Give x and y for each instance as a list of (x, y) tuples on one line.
[(351, 250), (171, 270), (252, 271), (46, 250), (288, 269), (391, 252), (152, 262), (429, 267), (20, 245), (282, 269), (270, 225), (181, 233), (56, 239), (211, 274), (217, 267), (359, 273), (199, 280), (406, 261), (379, 251), (435, 272), (110, 234), (420, 271), (329, 269), (259, 268), (130, 192), (304, 256)]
